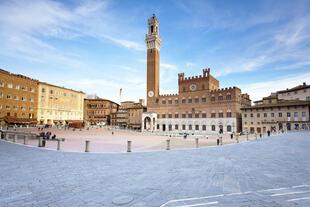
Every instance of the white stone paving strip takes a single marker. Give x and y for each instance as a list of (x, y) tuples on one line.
[(289, 193), (297, 199), (240, 193), (201, 204)]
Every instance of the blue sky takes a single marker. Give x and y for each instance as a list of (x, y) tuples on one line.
[(98, 46)]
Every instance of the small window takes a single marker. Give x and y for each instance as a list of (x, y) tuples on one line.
[(251, 115), (1, 84), (213, 127), (15, 97), (295, 114), (228, 114), (258, 115), (24, 88), (183, 115), (176, 101), (220, 98), (43, 90), (183, 101), (212, 99), (303, 114), (228, 128), (176, 127), (8, 107), (10, 85), (170, 116), (170, 102), (183, 127), (212, 115), (9, 97), (196, 127), (245, 115), (280, 114), (228, 97), (288, 114), (203, 100), (221, 115), (272, 114), (190, 116), (196, 100), (189, 100), (17, 87), (197, 115), (163, 102), (51, 92), (204, 115), (32, 90), (163, 116), (204, 127), (176, 115), (190, 127), (265, 114)]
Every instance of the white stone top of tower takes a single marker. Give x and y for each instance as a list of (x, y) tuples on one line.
[(152, 39)]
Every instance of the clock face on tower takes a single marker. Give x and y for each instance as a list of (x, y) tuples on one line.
[(192, 87), (151, 94)]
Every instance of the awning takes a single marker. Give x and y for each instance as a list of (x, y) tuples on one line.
[(13, 120)]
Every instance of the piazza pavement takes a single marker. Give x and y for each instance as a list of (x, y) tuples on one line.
[(274, 171)]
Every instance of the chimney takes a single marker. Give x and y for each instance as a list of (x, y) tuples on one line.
[(141, 101)]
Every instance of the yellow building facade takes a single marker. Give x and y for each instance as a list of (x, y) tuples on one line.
[(58, 105)]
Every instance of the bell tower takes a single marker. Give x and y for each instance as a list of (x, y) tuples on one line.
[(153, 43)]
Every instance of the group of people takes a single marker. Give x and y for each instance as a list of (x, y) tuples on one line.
[(47, 135)]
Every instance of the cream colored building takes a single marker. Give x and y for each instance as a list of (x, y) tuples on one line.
[(275, 114), (301, 92), (58, 105)]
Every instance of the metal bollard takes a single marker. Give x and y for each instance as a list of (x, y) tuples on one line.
[(6, 137), (255, 136), (58, 144), (87, 145), (15, 138), (221, 140), (168, 144), (218, 142), (128, 146), (40, 142), (237, 138), (247, 136), (25, 139), (197, 142)]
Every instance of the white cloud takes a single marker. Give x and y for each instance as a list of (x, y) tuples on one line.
[(190, 64), (168, 66), (26, 28), (258, 90)]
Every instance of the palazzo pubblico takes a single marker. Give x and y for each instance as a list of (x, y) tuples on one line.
[(200, 106)]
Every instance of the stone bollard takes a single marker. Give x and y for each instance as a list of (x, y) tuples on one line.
[(58, 144), (15, 138), (237, 138), (255, 136), (87, 145), (128, 146), (217, 141), (25, 139), (247, 136), (221, 140), (168, 144), (197, 142), (40, 142), (6, 137)]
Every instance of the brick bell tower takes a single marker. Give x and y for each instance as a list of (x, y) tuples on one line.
[(153, 43)]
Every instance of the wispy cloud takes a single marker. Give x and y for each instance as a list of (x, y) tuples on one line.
[(27, 28), (190, 64), (257, 90), (168, 66)]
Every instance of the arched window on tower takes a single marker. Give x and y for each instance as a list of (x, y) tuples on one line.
[(152, 27)]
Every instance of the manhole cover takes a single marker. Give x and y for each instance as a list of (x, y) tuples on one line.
[(123, 199)]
